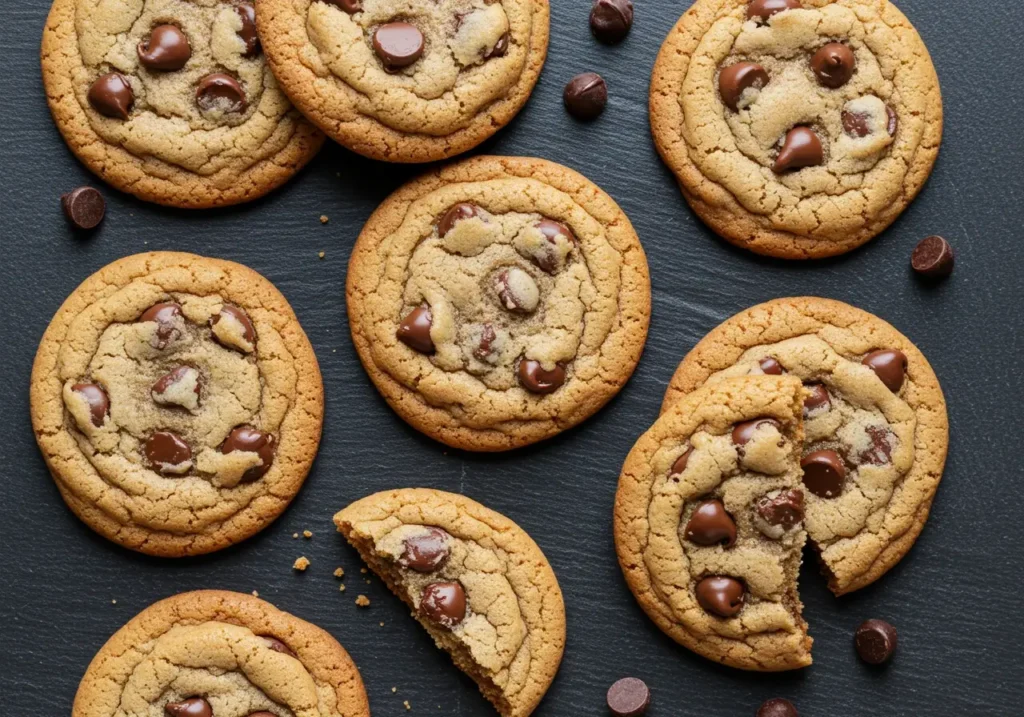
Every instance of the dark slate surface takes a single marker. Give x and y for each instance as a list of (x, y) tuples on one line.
[(955, 599)]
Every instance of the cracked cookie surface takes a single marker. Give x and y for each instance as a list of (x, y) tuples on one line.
[(172, 100), (709, 524), (177, 403), (410, 81), (215, 653), (498, 301), (875, 423), (799, 134), (475, 580)]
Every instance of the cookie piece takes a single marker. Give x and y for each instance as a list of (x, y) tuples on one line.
[(498, 301), (172, 100), (874, 414), (177, 402), (711, 565), (422, 81), (479, 585), (215, 653), (796, 129)]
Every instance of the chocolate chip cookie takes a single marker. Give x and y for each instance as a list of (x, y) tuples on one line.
[(172, 100), (220, 654), (406, 82), (177, 402), (876, 431), (498, 301), (709, 522), (796, 128), (479, 585)]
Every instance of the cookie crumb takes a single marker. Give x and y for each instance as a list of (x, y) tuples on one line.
[(255, 593), (301, 564), (341, 588), (307, 534), (382, 624), (363, 601), (394, 689), (407, 705), (295, 535), (339, 572), (322, 255), (323, 220), (113, 602), (362, 570)]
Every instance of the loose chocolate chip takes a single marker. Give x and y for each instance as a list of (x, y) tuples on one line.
[(875, 641), (536, 379), (167, 49), (611, 20), (194, 707), (801, 148), (247, 14), (880, 451), (112, 96), (834, 64), (168, 453), (585, 96), (933, 257), (414, 331), (232, 329), (889, 365), (349, 6), (710, 524), (456, 214), (427, 552), (742, 433), (277, 646), (817, 399), (164, 393), (785, 509), (764, 9), (517, 290), (96, 397), (771, 367), (165, 315), (250, 440), (824, 473), (398, 45), (721, 596), (680, 465), (499, 49), (485, 348), (220, 92), (629, 697), (734, 80), (777, 707), (84, 207), (444, 603)]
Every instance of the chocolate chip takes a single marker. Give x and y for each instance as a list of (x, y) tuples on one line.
[(499, 49), (84, 207), (277, 646), (517, 291), (721, 596), (112, 96), (734, 80), (552, 231), (824, 473), (585, 96), (857, 124), (220, 92), (764, 9), (777, 707), (250, 440), (444, 603), (247, 14), (485, 347), (742, 433), (710, 524), (770, 367), (610, 20), (894, 121), (933, 257), (784, 509), (349, 6), (96, 397), (680, 465), (456, 214), (398, 45), (889, 365), (167, 49), (801, 148), (193, 707), (166, 315), (629, 697), (536, 379), (427, 552), (817, 399), (834, 64), (172, 388), (168, 453), (414, 331), (880, 451), (875, 641), (232, 329)]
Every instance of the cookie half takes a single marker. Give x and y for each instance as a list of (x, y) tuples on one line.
[(475, 580), (220, 654), (172, 100), (875, 423), (411, 82), (177, 402), (796, 128), (498, 301), (709, 523)]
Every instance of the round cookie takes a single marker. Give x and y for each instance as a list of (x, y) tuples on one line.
[(177, 403), (215, 653), (475, 580), (709, 523), (498, 301), (882, 427), (414, 82), (172, 100), (796, 128)]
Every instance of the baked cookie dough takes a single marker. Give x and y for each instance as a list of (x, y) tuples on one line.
[(796, 128), (172, 100), (414, 81), (177, 403), (220, 654), (874, 420), (479, 585), (498, 301)]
